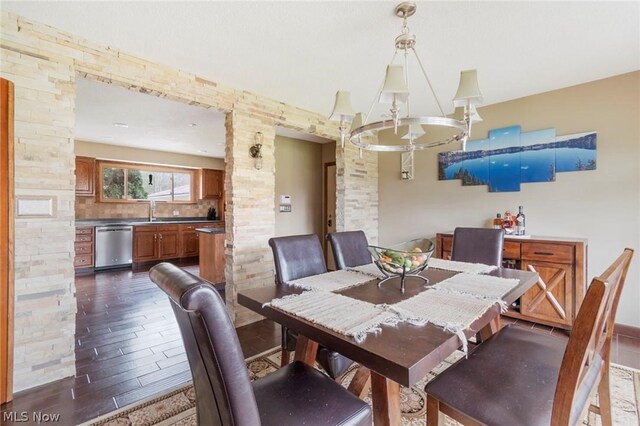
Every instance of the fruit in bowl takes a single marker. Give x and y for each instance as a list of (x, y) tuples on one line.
[(406, 259)]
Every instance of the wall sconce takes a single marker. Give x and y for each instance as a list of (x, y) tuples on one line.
[(256, 151)]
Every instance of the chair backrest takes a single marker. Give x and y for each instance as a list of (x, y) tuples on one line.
[(224, 393), (297, 256), (586, 358), (478, 245), (350, 249)]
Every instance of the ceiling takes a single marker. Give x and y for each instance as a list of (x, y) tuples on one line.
[(114, 115), (302, 52)]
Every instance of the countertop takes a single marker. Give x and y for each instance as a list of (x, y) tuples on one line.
[(143, 221), (216, 230)]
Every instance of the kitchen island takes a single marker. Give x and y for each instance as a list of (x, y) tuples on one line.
[(211, 242)]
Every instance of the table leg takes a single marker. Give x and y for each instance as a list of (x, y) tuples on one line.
[(490, 329), (306, 350), (385, 394), (361, 382)]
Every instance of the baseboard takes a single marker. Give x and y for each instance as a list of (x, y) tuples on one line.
[(627, 330)]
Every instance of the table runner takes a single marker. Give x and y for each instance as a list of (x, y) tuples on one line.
[(342, 314), (332, 281), (480, 286), (452, 311), (471, 268)]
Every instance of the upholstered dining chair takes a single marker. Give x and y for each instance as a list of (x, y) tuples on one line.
[(520, 376), (350, 249), (296, 394), (478, 245), (295, 257)]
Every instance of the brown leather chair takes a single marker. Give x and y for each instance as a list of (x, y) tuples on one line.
[(520, 376), (350, 249), (295, 257), (296, 394), (478, 245)]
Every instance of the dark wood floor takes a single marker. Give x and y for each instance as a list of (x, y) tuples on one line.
[(128, 348)]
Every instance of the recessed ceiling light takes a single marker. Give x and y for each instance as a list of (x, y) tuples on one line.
[(192, 124), (125, 125)]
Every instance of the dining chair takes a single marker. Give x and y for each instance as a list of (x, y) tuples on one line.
[(350, 249), (478, 245), (295, 257), (524, 377), (296, 394)]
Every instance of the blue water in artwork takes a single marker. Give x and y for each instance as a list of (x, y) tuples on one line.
[(575, 159), (539, 163)]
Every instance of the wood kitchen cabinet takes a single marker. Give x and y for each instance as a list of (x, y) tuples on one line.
[(561, 265), (155, 242), (84, 248), (212, 258), (212, 184), (85, 176), (189, 238)]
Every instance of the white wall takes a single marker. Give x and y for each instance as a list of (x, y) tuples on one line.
[(299, 174), (601, 205)]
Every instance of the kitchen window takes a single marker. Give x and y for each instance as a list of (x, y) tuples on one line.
[(125, 182)]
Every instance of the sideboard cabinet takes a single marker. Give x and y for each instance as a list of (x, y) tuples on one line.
[(562, 266)]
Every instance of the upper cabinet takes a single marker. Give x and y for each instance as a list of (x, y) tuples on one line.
[(85, 176), (212, 183)]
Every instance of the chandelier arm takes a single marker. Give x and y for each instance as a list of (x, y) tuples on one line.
[(428, 81)]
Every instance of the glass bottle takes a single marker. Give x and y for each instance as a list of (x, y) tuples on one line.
[(520, 222), (497, 222)]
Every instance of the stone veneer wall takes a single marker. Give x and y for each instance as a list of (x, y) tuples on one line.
[(43, 63)]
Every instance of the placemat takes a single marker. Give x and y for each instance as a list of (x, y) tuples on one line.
[(471, 268), (342, 314), (369, 269), (480, 286), (332, 281)]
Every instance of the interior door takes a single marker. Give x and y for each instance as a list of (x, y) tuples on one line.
[(6, 234), (330, 209)]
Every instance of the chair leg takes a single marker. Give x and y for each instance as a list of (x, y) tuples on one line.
[(284, 357), (361, 382), (605, 398), (433, 411)]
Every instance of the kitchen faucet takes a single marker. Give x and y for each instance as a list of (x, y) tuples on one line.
[(152, 210)]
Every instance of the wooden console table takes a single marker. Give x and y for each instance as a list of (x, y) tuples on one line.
[(562, 266)]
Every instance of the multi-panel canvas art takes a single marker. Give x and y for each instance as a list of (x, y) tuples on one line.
[(509, 157)]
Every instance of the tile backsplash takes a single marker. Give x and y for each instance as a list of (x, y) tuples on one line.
[(88, 208)]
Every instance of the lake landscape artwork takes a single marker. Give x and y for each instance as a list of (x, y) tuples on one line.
[(509, 157)]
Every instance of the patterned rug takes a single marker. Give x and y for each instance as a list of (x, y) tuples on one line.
[(177, 407)]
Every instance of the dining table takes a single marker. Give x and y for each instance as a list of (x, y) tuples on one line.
[(400, 354)]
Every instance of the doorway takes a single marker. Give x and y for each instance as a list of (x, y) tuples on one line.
[(330, 209)]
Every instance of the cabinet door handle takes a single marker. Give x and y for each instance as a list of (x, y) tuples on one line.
[(155, 237), (543, 253)]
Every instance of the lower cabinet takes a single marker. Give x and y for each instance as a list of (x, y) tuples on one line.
[(155, 242), (84, 248), (561, 265)]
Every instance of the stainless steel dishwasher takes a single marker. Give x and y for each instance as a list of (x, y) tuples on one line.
[(114, 246)]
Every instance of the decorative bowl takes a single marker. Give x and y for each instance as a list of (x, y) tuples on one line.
[(402, 260)]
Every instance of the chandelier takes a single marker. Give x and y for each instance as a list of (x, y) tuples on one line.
[(370, 135)]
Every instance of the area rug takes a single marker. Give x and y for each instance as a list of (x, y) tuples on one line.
[(177, 407)]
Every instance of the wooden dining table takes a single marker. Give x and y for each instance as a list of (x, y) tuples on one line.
[(397, 355)]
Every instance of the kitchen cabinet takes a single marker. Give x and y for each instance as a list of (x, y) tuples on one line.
[(85, 176), (155, 242), (212, 257), (84, 248), (189, 238), (212, 184), (561, 266)]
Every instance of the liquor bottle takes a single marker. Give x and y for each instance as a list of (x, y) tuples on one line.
[(520, 224), (497, 222), (507, 223)]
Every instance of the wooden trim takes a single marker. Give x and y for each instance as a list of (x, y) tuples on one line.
[(6, 240), (100, 164), (627, 330), (325, 196)]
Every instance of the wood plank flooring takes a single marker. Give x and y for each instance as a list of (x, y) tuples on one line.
[(128, 348)]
